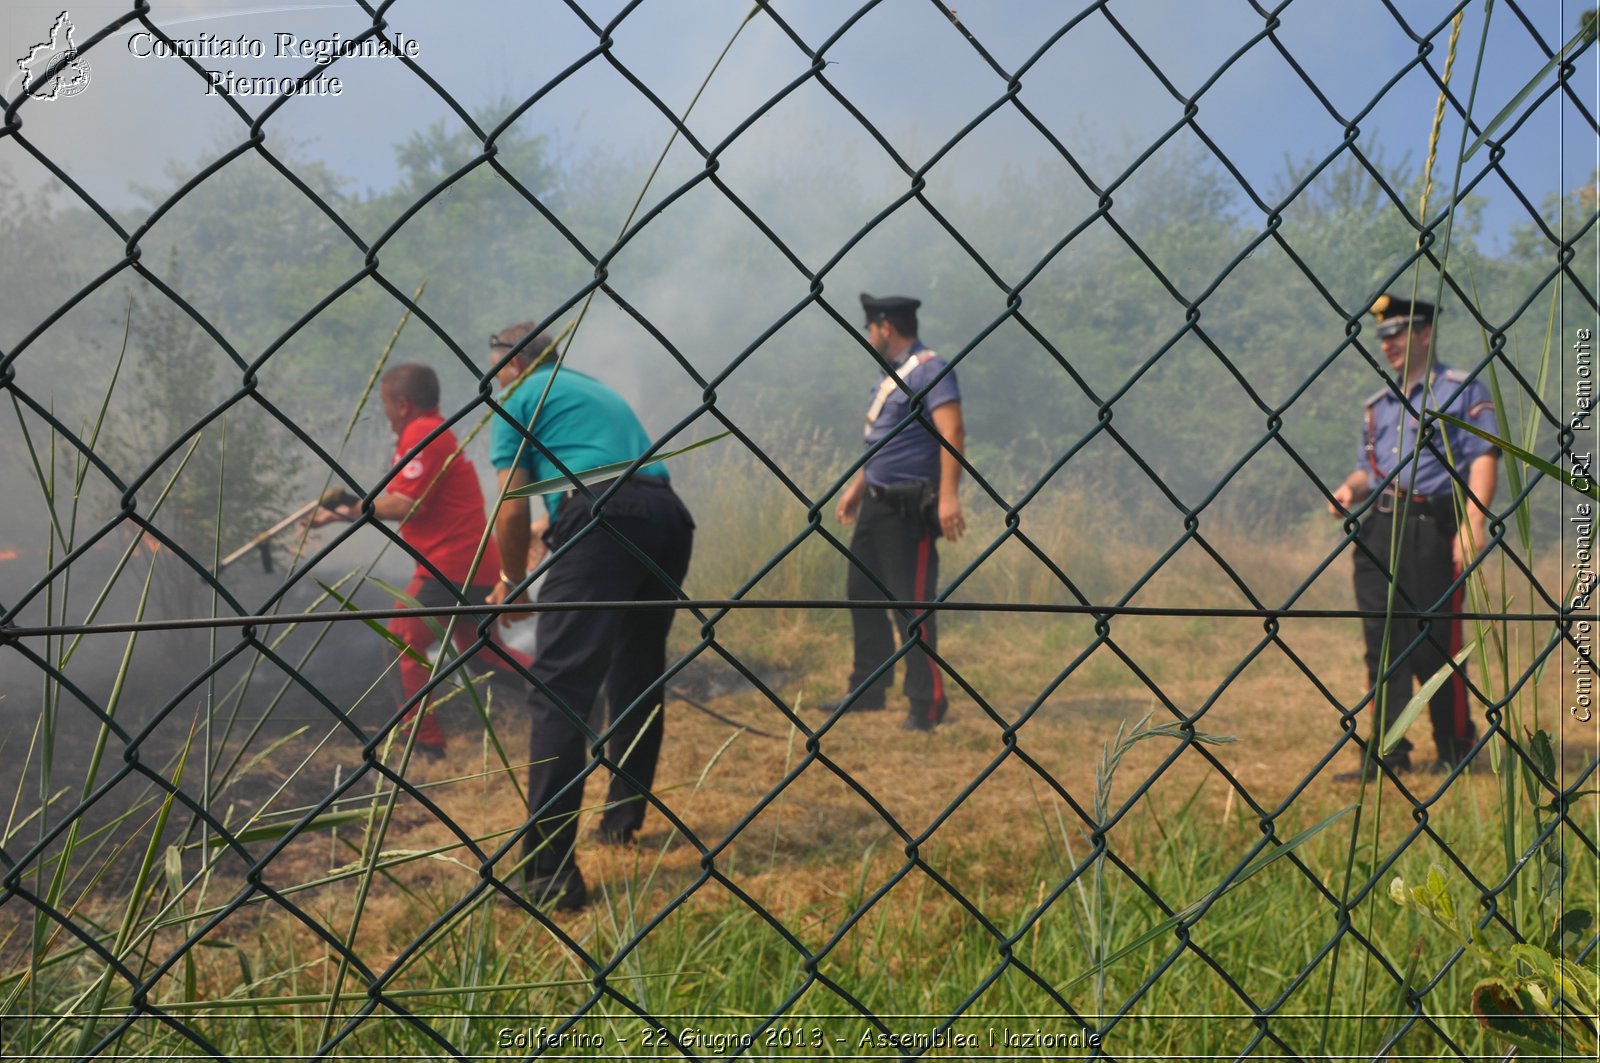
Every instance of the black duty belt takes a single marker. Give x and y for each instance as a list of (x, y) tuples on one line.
[(915, 490)]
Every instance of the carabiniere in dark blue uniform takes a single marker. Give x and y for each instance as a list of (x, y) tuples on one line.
[(901, 503), (1415, 514)]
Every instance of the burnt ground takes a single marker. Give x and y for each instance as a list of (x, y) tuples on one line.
[(90, 750), (259, 739)]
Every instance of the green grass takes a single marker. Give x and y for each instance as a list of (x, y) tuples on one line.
[(909, 953)]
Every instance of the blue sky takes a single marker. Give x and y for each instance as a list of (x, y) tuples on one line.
[(902, 63)]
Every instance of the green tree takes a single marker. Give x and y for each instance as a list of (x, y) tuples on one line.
[(229, 476)]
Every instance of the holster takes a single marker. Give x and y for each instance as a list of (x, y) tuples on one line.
[(911, 501)]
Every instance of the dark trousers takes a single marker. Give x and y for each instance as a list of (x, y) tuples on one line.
[(1423, 573), (895, 541), (623, 650)]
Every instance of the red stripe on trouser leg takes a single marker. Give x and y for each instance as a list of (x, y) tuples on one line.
[(924, 554)]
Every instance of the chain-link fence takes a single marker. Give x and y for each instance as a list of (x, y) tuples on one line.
[(1134, 835)]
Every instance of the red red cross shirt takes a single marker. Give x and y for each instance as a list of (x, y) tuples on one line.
[(448, 524)]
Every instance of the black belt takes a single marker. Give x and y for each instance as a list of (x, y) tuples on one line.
[(636, 480), (1436, 506), (895, 492)]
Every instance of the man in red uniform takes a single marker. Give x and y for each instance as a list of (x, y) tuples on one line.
[(436, 499)]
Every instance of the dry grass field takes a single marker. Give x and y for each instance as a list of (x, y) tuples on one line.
[(830, 873)]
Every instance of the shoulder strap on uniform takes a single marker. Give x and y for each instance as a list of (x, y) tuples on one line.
[(887, 385)]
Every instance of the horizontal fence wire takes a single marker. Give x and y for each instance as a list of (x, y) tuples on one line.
[(13, 632)]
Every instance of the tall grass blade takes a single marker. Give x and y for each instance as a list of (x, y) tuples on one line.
[(154, 858), (1175, 920), (1419, 701), (271, 832), (1580, 40), (601, 473), (376, 626), (1571, 478)]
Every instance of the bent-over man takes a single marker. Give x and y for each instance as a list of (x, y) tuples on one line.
[(437, 501), (633, 548)]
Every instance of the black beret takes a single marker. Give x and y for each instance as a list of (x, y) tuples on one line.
[(877, 309), (1396, 315)]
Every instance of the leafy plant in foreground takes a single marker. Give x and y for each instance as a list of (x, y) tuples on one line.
[(1538, 997)]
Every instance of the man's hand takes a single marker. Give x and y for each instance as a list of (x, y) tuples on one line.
[(850, 501), (953, 431), (502, 595), (325, 515), (950, 520), (1472, 531), (334, 497), (1353, 490), (1472, 538), (537, 550), (335, 504)]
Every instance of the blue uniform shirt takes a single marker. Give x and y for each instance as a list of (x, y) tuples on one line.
[(583, 423), (913, 453), (1389, 435)]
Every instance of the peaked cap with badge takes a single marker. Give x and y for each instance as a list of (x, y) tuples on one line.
[(879, 309), (1395, 315)]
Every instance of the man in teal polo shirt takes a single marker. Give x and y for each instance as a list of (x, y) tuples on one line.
[(634, 546)]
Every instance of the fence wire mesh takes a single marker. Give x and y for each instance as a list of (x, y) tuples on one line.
[(1127, 841)]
